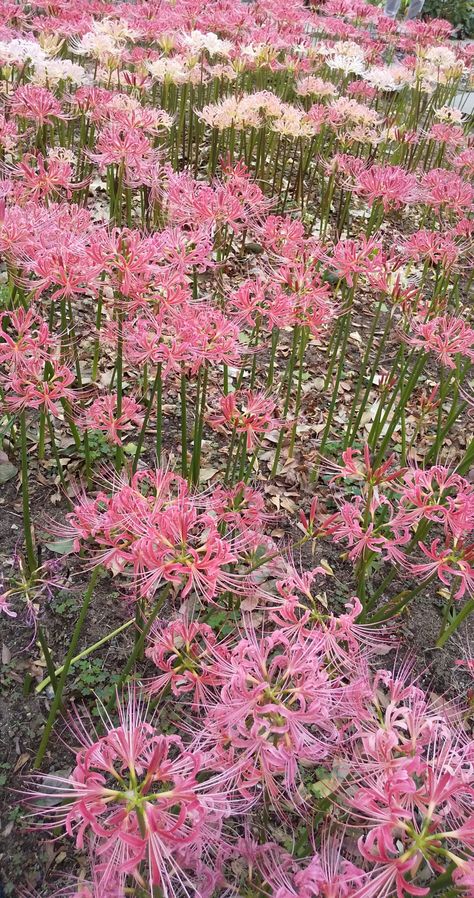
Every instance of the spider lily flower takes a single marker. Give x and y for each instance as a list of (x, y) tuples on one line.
[(156, 531), (445, 336), (248, 412), (151, 805), (187, 654), (102, 415)]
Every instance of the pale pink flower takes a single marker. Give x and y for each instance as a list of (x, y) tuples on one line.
[(439, 495), (443, 132), (255, 301), (283, 235), (38, 178), (239, 506), (5, 606), (432, 246), (247, 412), (443, 189), (25, 336), (188, 655), (102, 415), (35, 103), (351, 258), (389, 184), (445, 336), (152, 529), (31, 385), (451, 562), (145, 799), (275, 711), (125, 147)]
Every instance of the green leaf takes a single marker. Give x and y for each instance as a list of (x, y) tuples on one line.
[(130, 448), (61, 546)]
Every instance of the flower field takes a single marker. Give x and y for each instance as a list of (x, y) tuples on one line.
[(237, 451)]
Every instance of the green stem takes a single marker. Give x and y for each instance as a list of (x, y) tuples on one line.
[(56, 454), (47, 657), (198, 431), (42, 434), (184, 428), (465, 612), (159, 413), (28, 533), (289, 375), (56, 703), (142, 433), (362, 371), (404, 396), (85, 654), (337, 381), (140, 642), (303, 344)]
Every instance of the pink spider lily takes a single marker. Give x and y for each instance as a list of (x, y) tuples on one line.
[(128, 148), (239, 506), (38, 177), (129, 257), (389, 184), (346, 164), (155, 530), (186, 551), (248, 412), (368, 535), (102, 415), (68, 270), (275, 711), (326, 874), (312, 305), (431, 245), (24, 336), (30, 387), (444, 336), (443, 189), (5, 605), (215, 339), (293, 609), (240, 183), (355, 467), (439, 495), (255, 301), (188, 655), (310, 526), (163, 339), (452, 563), (36, 104), (410, 794), (463, 162), (140, 796), (354, 257), (8, 133), (443, 132), (182, 250), (282, 235), (30, 592)]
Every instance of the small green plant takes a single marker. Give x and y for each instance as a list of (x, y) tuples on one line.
[(99, 447), (92, 679), (64, 604)]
